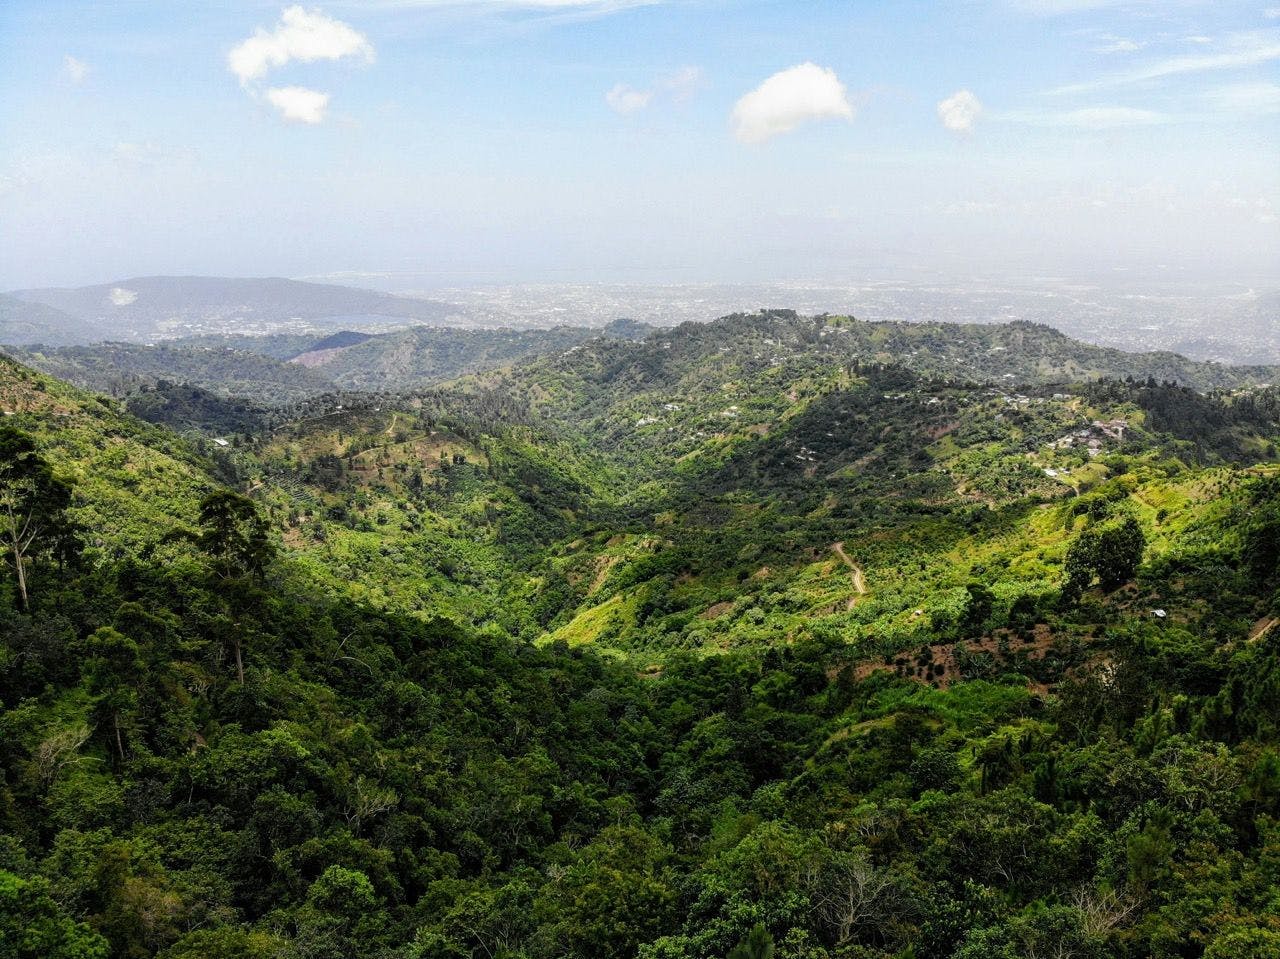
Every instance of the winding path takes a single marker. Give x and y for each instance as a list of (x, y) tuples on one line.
[(1261, 628), (858, 577)]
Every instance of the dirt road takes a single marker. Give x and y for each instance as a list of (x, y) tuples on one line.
[(856, 574)]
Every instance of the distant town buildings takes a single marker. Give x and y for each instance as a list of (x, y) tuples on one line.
[(1092, 437)]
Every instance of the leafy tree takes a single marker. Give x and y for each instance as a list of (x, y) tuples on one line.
[(33, 926), (33, 505), (1262, 547), (616, 896), (977, 609), (1246, 943), (1040, 932), (1149, 850), (114, 667), (758, 944), (235, 535), (236, 538), (1110, 554)]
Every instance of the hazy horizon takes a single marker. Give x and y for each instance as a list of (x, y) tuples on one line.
[(497, 142)]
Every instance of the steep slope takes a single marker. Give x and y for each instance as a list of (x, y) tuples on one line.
[(423, 356), (133, 481), (121, 368), (285, 368), (421, 508), (978, 722)]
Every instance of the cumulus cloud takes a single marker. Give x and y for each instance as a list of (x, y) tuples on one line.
[(959, 111), (678, 86), (624, 99), (302, 35), (787, 99), (74, 69), (298, 104)]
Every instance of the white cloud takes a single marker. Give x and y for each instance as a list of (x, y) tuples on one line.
[(678, 86), (1051, 8), (1091, 118), (603, 5), (682, 84), (1271, 13), (302, 35), (75, 70), (624, 99), (1245, 98), (1118, 45), (550, 6), (299, 104), (787, 99), (1107, 118), (1247, 51), (959, 111)]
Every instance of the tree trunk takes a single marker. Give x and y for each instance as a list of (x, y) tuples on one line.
[(239, 662), (119, 739), (20, 566)]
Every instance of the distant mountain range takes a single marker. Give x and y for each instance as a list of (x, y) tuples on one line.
[(23, 323), (152, 307), (286, 367)]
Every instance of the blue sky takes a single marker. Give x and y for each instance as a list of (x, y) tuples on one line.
[(427, 142)]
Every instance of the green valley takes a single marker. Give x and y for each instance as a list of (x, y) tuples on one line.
[(778, 635)]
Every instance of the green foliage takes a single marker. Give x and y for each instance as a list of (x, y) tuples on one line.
[(33, 926), (757, 945), (234, 535), (1109, 554), (523, 672), (33, 507)]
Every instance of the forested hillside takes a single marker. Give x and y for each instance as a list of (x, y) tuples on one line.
[(622, 369), (283, 368), (776, 637)]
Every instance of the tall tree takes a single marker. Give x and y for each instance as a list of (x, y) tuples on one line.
[(33, 505), (235, 535), (757, 945), (236, 538), (114, 666)]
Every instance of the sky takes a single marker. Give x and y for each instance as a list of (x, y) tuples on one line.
[(434, 143)]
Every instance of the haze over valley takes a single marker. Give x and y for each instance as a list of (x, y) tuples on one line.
[(640, 479)]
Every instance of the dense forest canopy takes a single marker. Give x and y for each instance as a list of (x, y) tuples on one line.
[(783, 636)]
